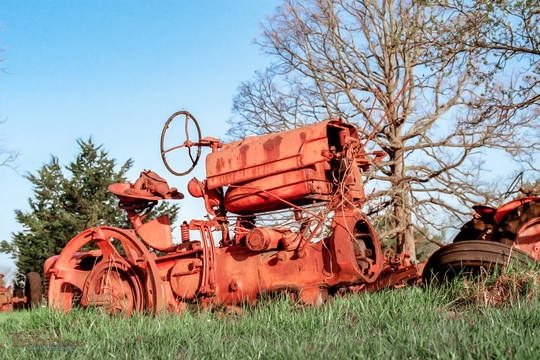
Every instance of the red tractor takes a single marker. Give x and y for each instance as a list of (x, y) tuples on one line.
[(6, 296), (32, 294), (246, 247), (494, 237)]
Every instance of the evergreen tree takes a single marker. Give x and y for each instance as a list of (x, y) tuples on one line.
[(62, 206)]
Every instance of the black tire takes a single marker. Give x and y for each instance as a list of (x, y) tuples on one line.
[(33, 289), (471, 256), (512, 222)]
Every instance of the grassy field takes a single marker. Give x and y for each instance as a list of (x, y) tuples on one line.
[(408, 323)]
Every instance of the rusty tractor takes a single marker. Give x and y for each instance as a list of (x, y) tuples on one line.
[(31, 297), (495, 237), (246, 247)]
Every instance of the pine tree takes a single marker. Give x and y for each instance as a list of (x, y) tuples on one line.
[(62, 206)]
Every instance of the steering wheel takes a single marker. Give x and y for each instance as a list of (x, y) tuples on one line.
[(187, 143)]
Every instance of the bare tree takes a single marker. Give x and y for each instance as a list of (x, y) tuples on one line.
[(505, 36), (350, 59), (7, 157)]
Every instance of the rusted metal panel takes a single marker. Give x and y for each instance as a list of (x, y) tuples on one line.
[(297, 186), (506, 208), (262, 156)]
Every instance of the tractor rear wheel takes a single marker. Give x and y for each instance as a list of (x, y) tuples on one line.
[(122, 276), (33, 289), (471, 257)]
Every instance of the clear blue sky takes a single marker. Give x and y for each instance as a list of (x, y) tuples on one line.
[(116, 70)]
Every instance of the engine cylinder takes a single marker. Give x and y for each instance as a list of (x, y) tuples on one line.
[(262, 239)]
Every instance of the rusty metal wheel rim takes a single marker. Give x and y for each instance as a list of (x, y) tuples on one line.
[(109, 279), (66, 281)]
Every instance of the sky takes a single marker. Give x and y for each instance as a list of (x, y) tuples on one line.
[(115, 71)]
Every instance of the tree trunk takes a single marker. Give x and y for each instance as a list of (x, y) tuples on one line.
[(402, 204)]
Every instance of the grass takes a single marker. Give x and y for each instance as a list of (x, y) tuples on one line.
[(409, 323)]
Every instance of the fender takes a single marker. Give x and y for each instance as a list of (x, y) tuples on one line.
[(506, 208)]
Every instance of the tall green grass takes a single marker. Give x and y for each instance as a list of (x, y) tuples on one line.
[(409, 323)]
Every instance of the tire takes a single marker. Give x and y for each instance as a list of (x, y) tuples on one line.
[(33, 289), (512, 222), (472, 256)]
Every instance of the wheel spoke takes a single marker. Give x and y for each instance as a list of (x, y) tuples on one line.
[(174, 148), (190, 155), (132, 255), (186, 128), (107, 249)]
